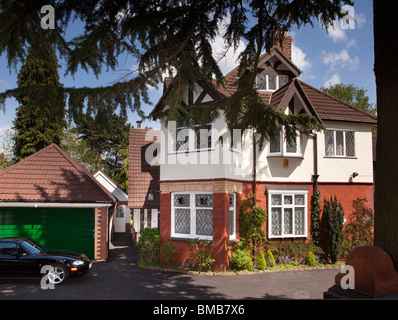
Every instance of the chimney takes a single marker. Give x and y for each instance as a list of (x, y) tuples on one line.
[(139, 124), (286, 47)]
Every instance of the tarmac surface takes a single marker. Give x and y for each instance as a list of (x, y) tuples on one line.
[(119, 278)]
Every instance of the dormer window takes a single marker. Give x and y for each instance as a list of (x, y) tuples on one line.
[(271, 82)]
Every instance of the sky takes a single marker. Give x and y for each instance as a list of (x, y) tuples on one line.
[(325, 58)]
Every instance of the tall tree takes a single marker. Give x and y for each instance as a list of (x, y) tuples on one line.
[(40, 116), (386, 70), (167, 35)]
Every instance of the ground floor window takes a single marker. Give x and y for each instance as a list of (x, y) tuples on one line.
[(287, 213), (192, 215)]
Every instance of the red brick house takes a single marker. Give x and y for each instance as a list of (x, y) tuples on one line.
[(202, 183), (54, 200)]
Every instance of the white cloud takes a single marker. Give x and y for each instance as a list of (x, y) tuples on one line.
[(333, 80), (340, 60), (299, 58), (360, 19), (227, 57), (336, 32)]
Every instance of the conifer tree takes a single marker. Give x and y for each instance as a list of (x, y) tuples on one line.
[(40, 116)]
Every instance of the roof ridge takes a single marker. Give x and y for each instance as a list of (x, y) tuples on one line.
[(339, 100)]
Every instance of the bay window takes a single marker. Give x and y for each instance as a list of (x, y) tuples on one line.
[(279, 146), (192, 215)]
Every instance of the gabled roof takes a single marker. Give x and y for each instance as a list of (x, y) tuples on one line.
[(143, 177), (51, 176), (318, 103)]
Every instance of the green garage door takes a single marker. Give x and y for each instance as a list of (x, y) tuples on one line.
[(56, 228)]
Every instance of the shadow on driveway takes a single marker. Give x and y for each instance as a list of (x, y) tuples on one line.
[(119, 278)]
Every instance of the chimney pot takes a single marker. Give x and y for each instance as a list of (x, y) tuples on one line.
[(139, 124)]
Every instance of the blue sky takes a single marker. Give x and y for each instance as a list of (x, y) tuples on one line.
[(339, 56)]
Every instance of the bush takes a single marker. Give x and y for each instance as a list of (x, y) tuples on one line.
[(149, 245), (201, 254), (261, 263), (169, 252), (334, 216), (241, 260), (311, 261), (270, 259)]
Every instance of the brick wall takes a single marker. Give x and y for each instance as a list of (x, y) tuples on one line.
[(100, 233), (345, 193)]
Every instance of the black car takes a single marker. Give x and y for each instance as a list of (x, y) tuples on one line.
[(22, 257)]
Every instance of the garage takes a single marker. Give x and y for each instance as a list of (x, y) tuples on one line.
[(52, 199), (55, 228)]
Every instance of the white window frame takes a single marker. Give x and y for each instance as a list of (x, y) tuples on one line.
[(232, 207), (192, 207), (283, 147), (344, 155), (283, 193), (192, 138), (267, 82)]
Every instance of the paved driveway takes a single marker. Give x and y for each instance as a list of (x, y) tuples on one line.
[(120, 278)]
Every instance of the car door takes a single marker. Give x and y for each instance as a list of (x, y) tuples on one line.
[(15, 261)]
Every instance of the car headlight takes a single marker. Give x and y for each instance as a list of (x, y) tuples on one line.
[(78, 263)]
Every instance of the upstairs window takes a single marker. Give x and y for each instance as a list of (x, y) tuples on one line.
[(271, 82), (279, 146), (339, 143), (198, 138)]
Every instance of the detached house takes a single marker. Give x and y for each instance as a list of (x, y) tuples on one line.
[(203, 182)]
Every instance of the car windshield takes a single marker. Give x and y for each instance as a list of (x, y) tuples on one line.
[(32, 246)]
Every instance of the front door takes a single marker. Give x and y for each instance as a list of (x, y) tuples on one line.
[(120, 219)]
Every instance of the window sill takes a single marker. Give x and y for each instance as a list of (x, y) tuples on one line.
[(339, 157), (299, 156), (174, 238), (287, 237), (191, 151)]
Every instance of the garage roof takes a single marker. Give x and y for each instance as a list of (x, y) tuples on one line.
[(51, 175)]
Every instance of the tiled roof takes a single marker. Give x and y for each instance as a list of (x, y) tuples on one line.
[(143, 178), (332, 108), (50, 175)]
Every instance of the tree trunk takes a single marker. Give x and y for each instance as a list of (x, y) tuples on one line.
[(386, 72)]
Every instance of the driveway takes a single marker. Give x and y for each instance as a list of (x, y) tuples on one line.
[(120, 278)]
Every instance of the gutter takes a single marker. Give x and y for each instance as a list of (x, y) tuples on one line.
[(54, 204)]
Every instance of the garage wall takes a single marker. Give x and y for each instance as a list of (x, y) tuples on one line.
[(56, 228)]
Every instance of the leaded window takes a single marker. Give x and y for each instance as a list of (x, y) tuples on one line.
[(232, 216), (192, 215), (288, 214), (339, 143)]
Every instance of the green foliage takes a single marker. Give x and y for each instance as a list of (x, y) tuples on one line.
[(251, 221), (359, 230), (287, 251), (334, 216), (270, 260), (166, 37), (315, 218), (261, 263), (241, 260), (201, 254), (149, 245), (40, 116), (169, 252), (311, 261)]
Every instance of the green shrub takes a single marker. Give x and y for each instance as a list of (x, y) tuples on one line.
[(169, 252), (334, 216), (311, 261), (201, 254), (261, 263), (270, 259), (149, 245), (241, 260)]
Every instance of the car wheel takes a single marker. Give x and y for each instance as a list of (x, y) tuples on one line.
[(58, 274)]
